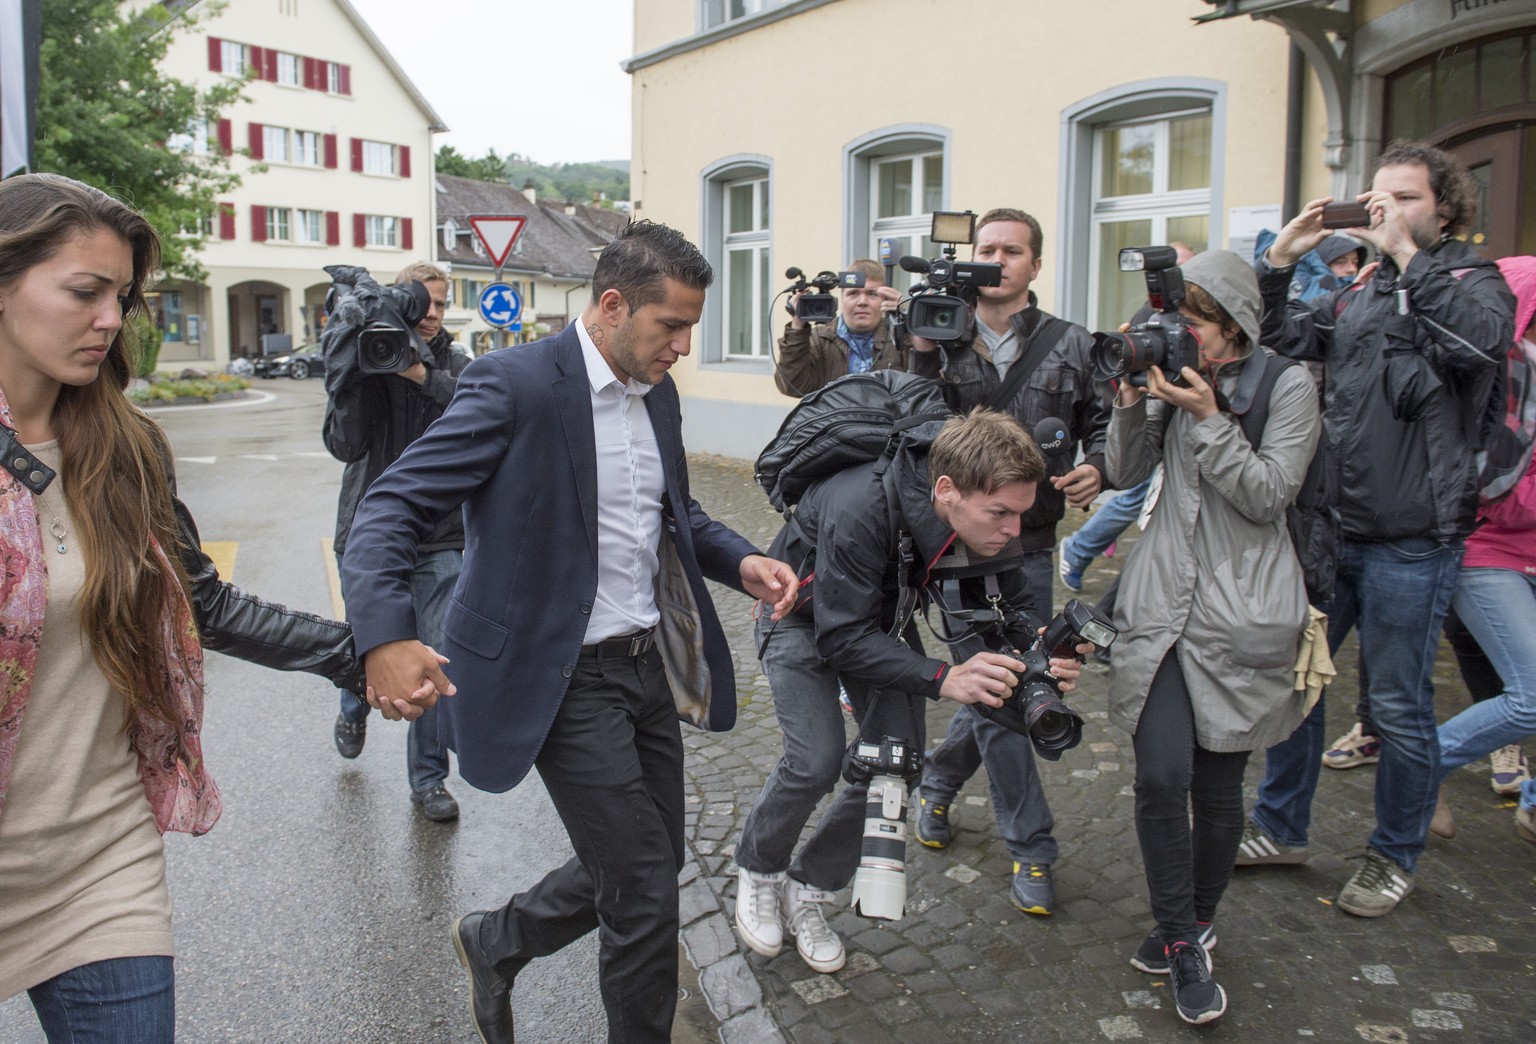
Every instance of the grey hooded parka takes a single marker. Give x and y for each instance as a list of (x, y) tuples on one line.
[(1215, 570)]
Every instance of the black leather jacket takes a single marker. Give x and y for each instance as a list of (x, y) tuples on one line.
[(1402, 478), (1062, 386)]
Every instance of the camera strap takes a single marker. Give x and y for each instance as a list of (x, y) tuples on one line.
[(21, 462), (1048, 333)]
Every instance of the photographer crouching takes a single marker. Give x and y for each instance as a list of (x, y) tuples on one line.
[(390, 372)]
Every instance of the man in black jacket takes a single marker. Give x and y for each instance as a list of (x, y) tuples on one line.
[(1032, 366), (1412, 353), (369, 421), (962, 496)]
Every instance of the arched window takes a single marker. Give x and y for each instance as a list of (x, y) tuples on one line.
[(896, 178), (737, 240)]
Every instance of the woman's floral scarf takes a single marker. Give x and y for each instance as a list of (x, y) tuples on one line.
[(181, 793)]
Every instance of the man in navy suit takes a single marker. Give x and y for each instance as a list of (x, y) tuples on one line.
[(580, 629)]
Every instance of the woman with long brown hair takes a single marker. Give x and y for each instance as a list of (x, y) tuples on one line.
[(106, 605)]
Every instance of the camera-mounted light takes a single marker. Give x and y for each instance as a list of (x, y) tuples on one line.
[(951, 226), (1148, 259)]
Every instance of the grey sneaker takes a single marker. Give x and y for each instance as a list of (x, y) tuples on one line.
[(1376, 888), (1259, 849)]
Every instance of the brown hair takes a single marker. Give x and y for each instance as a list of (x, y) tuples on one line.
[(425, 271), (1199, 300), (1455, 191), (1036, 237), (874, 271), (984, 451), (114, 457)]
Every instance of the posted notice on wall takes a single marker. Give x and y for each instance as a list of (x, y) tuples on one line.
[(1245, 223)]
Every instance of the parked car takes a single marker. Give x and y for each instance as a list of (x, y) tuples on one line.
[(301, 363)]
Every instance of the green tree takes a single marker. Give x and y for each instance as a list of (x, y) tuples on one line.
[(107, 116)]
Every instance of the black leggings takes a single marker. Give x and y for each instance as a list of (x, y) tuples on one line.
[(1187, 871)]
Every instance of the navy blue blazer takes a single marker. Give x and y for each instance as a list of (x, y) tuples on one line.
[(516, 449)]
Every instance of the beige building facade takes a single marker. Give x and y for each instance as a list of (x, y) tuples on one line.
[(784, 133), (335, 147)]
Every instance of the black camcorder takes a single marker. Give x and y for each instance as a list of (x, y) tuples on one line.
[(940, 305), (1036, 709), (821, 306), (382, 318), (1165, 340)]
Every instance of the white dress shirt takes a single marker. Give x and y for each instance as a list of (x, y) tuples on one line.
[(629, 490)]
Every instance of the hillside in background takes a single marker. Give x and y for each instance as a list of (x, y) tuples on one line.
[(582, 182)]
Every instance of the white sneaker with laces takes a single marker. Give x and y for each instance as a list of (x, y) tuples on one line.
[(1510, 771), (757, 911), (818, 944)]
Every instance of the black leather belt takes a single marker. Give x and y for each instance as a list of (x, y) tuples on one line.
[(627, 646)]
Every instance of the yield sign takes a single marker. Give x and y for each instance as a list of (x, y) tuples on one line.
[(497, 233)]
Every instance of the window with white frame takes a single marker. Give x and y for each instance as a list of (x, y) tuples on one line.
[(194, 141), (307, 148), (234, 58), (309, 226), (904, 191), (747, 279), (382, 231), (288, 69), (279, 223), (333, 77), (378, 158), (1151, 185), (274, 143), (719, 12)]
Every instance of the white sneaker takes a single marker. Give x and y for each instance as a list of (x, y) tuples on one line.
[(757, 911), (818, 944), (1510, 770)]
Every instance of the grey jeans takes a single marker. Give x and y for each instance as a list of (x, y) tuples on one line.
[(1023, 817), (805, 701)]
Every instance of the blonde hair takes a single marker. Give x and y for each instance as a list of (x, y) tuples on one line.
[(984, 451)]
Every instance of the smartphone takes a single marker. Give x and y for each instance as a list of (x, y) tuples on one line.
[(1346, 215)]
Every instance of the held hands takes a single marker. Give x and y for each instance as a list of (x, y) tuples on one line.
[(987, 677), (1197, 399), (1302, 234), (1080, 485), (772, 581), (1066, 672), (416, 373), (890, 298), (405, 678)]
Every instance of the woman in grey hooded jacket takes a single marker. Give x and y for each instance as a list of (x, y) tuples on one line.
[(1211, 612)]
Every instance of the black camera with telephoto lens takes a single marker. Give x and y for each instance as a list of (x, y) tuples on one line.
[(820, 306), (1165, 340), (940, 305), (1036, 709), (383, 318)]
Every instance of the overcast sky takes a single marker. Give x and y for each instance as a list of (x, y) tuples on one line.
[(536, 77)]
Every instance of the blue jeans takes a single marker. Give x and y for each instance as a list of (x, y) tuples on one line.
[(1104, 527), (1499, 607), (123, 1000), (426, 759), (1397, 594), (1018, 799)]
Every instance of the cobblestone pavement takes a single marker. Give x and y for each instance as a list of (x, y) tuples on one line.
[(1453, 963)]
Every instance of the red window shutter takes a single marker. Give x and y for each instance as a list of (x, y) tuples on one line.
[(259, 62), (256, 145), (332, 228), (258, 224), (359, 230), (226, 137), (271, 74), (309, 72), (405, 161), (345, 78), (357, 155), (226, 221), (215, 54), (407, 238), (330, 152)]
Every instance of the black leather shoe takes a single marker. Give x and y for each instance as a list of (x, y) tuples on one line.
[(490, 995), (349, 736), (436, 803)]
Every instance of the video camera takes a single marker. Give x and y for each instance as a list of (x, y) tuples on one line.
[(1165, 340), (821, 306), (889, 767), (383, 318), (940, 305)]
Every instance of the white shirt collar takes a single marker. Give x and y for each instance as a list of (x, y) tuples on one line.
[(599, 373)]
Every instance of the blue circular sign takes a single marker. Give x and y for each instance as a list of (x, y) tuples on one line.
[(500, 305)]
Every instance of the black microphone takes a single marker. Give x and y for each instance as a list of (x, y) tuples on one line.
[(1051, 434), (913, 264)]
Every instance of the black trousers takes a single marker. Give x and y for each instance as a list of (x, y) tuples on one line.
[(1187, 871), (613, 765)]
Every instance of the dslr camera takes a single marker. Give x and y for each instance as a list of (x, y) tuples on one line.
[(1165, 340), (381, 318), (940, 305), (1036, 708), (821, 306), (889, 767)]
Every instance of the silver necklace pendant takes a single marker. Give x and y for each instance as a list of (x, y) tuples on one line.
[(57, 531)]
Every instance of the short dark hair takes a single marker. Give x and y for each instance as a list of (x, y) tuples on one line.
[(1455, 191), (1036, 237), (640, 261)]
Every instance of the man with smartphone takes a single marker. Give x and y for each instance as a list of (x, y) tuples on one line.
[(812, 355), (1412, 351)]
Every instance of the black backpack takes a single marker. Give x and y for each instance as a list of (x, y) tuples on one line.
[(1313, 518), (855, 419)]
